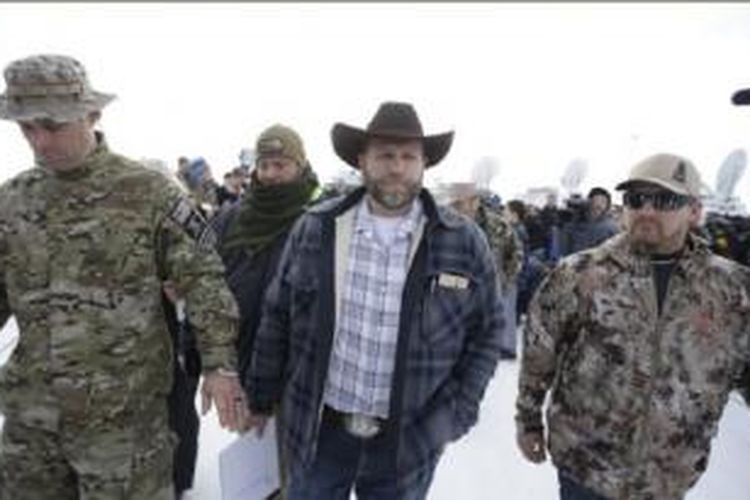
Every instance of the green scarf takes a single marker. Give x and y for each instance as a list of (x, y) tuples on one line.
[(265, 212)]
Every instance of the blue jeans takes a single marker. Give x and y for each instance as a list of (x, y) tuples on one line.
[(571, 490), (508, 338), (344, 462)]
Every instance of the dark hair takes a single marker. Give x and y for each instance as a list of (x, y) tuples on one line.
[(600, 191), (518, 207)]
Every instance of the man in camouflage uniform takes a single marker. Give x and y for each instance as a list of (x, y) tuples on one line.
[(640, 341), (506, 247), (84, 394)]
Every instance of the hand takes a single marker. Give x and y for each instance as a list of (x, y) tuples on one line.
[(226, 393), (532, 445), (257, 422)]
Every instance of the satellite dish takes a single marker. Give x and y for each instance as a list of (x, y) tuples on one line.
[(485, 169), (730, 172), (574, 174)]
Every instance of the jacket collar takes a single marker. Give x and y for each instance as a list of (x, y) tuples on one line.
[(434, 213), (619, 250)]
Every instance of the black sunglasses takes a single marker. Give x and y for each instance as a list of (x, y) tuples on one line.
[(660, 200)]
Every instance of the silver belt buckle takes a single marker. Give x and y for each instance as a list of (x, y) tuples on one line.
[(362, 426)]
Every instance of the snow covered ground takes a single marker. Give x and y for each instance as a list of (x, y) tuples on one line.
[(486, 464)]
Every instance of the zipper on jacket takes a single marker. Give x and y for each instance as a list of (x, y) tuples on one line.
[(654, 352)]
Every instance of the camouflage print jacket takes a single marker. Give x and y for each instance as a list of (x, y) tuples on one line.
[(635, 397), (505, 244), (81, 273)]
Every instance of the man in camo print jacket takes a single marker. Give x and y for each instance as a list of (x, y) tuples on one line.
[(639, 342), (81, 268)]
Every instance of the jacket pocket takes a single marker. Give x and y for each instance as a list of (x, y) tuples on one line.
[(445, 304)]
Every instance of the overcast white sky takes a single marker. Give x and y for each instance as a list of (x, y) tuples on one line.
[(534, 85)]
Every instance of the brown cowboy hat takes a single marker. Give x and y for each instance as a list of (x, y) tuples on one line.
[(393, 120)]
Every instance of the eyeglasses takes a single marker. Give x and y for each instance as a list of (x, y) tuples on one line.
[(660, 200)]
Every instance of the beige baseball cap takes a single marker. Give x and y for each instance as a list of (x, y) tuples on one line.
[(672, 172), (49, 86)]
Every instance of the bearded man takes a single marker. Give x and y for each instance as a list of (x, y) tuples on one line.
[(381, 328), (639, 340)]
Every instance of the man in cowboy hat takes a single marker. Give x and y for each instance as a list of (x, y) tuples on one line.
[(81, 269), (639, 341), (381, 328)]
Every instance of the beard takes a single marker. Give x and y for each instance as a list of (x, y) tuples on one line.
[(648, 237), (393, 195)]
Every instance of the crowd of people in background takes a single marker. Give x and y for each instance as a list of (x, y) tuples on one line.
[(367, 318), (527, 240)]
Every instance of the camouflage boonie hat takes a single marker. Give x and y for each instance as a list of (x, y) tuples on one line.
[(669, 171), (49, 86), (280, 140)]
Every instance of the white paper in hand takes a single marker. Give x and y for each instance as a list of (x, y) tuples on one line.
[(249, 467)]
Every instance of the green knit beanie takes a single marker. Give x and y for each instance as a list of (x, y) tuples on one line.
[(279, 140)]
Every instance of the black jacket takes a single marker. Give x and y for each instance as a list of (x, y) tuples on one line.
[(248, 276)]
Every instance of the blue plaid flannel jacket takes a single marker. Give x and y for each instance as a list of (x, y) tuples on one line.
[(449, 336)]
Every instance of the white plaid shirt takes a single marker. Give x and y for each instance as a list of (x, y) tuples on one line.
[(363, 356)]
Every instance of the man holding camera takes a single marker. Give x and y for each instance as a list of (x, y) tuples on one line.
[(589, 222)]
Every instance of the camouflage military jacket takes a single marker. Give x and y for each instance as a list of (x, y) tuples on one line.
[(505, 244), (635, 396), (81, 273)]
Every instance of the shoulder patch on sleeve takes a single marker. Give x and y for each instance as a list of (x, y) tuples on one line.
[(184, 214)]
